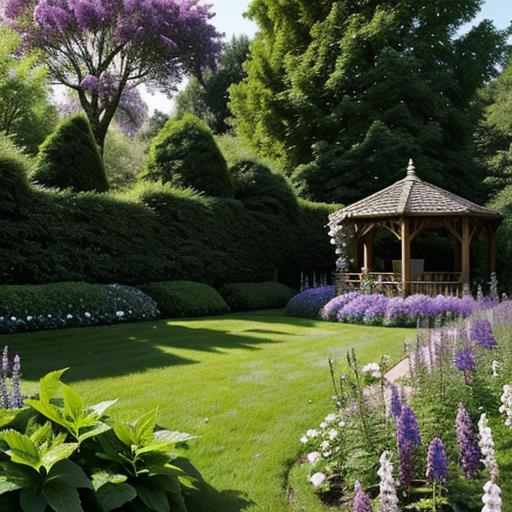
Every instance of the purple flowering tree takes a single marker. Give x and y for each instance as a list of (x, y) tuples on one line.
[(101, 48)]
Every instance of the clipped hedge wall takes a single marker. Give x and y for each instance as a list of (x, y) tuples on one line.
[(253, 296), (58, 305), (178, 299), (156, 233)]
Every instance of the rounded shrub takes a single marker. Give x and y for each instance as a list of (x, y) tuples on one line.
[(258, 187), (70, 158), (52, 306), (254, 296), (185, 154), (309, 303), (178, 299)]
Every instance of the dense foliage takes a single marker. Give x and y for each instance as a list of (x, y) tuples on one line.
[(185, 154), (53, 306), (209, 101), (69, 158), (178, 299), (433, 440), (344, 92), (25, 111), (254, 296), (154, 233), (63, 455)]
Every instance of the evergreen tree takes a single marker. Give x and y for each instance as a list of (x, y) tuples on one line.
[(367, 86), (70, 158), (185, 154)]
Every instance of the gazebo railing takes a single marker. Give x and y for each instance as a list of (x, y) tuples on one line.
[(428, 283)]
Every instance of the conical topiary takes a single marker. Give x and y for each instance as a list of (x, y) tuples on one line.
[(185, 154), (70, 159)]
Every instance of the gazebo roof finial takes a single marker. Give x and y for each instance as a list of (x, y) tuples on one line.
[(411, 170)]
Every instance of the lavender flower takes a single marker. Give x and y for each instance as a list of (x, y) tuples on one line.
[(408, 439), (396, 402), (481, 333), (437, 464), (465, 361), (17, 398), (361, 501), (470, 454), (387, 488), (491, 498)]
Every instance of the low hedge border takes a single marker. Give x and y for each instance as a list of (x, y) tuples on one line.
[(254, 296), (179, 299)]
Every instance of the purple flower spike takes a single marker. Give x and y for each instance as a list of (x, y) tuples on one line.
[(396, 402), (17, 398), (481, 333), (465, 361), (437, 464), (408, 440), (362, 501), (470, 454), (5, 361)]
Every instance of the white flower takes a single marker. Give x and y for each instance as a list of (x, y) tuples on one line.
[(312, 433), (341, 424), (506, 408), (50, 316), (326, 454), (120, 314), (13, 319), (486, 444), (87, 314), (387, 486), (324, 445), (317, 479), (30, 318), (495, 368), (331, 418), (304, 440), (491, 498), (313, 457), (333, 434), (70, 317), (323, 425), (372, 369)]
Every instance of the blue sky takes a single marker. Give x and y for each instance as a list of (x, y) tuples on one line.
[(229, 19)]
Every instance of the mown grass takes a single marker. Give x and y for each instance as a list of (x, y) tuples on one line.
[(247, 384)]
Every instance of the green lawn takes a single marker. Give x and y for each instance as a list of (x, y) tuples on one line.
[(247, 384)]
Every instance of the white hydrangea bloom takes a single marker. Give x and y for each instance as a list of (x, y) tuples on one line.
[(486, 444), (313, 457), (506, 408), (312, 433), (317, 479), (491, 498), (333, 434), (387, 494), (330, 418), (372, 369)]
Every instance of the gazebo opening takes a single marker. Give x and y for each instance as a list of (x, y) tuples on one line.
[(391, 230)]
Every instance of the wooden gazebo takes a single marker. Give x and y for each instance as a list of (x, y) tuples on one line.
[(407, 209)]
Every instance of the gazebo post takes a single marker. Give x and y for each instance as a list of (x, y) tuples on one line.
[(358, 253), (368, 251), (465, 266), (406, 255)]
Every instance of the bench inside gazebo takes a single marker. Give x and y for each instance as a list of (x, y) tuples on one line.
[(407, 209)]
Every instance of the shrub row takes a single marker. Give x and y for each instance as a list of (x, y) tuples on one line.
[(155, 233), (253, 296), (52, 306)]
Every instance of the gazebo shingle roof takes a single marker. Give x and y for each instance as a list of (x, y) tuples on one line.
[(414, 197)]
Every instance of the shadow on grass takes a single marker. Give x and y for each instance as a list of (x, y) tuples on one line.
[(111, 351)]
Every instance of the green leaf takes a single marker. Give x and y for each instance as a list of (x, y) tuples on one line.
[(15, 476), (101, 408), (8, 416), (71, 474), (103, 477), (58, 453), (48, 411), (124, 433), (49, 384), (99, 429), (62, 497), (22, 449), (144, 427), (73, 403), (32, 500), (154, 498), (42, 434), (114, 496)]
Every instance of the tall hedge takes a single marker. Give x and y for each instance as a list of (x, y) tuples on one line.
[(185, 154), (70, 159), (156, 235)]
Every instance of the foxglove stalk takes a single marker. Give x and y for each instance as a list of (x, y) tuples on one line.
[(17, 398), (506, 407), (362, 501), (470, 454), (486, 445), (481, 333), (491, 498), (396, 402), (387, 488), (437, 464), (408, 440)]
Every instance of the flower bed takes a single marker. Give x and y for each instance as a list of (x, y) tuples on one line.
[(379, 309), (54, 306), (438, 440)]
